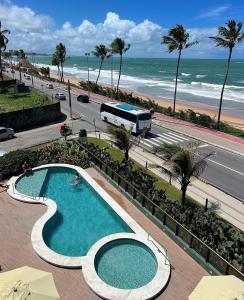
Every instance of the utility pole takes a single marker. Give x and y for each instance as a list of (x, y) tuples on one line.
[(70, 106), (87, 54)]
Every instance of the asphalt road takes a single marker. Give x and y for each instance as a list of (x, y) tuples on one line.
[(225, 169)]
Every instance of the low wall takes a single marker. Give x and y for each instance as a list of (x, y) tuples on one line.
[(31, 117)]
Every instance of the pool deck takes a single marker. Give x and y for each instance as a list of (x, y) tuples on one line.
[(16, 223)]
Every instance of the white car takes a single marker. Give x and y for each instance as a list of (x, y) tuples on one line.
[(60, 96), (6, 133)]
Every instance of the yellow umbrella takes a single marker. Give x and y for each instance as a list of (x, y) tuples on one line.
[(218, 288), (27, 284)]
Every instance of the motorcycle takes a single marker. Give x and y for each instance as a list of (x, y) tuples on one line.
[(65, 131)]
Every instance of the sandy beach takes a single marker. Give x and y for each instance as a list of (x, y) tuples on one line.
[(231, 119)]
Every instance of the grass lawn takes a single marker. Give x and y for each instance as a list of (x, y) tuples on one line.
[(9, 101), (172, 192)]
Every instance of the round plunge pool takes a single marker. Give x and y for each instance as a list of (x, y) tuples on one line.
[(126, 264)]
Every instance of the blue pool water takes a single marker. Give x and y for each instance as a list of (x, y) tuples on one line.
[(126, 264), (82, 218)]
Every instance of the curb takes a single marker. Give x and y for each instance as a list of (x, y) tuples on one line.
[(202, 140)]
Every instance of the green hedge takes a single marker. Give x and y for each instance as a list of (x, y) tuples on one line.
[(58, 152), (186, 115), (221, 236)]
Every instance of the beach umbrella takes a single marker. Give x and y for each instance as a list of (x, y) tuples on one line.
[(218, 288), (27, 283)]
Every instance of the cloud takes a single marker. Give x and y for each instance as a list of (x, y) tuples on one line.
[(216, 12), (23, 19), (33, 32)]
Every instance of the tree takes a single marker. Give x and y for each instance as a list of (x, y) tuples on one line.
[(3, 45), (177, 39), (183, 163), (55, 62), (61, 56), (118, 47), (123, 139), (20, 54), (228, 37), (102, 52), (45, 71)]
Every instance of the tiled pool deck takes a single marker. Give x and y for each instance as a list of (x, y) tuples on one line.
[(17, 220)]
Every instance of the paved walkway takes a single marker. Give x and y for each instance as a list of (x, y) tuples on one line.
[(17, 220), (225, 206)]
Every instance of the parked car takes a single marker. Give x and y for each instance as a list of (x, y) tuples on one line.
[(6, 133), (60, 96), (2, 152), (83, 98), (49, 85)]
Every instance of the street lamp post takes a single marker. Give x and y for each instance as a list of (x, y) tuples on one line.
[(87, 54)]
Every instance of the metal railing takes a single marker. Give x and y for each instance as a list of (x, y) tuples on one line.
[(207, 254), (166, 261)]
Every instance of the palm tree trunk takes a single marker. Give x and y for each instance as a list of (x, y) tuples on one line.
[(99, 70), (120, 66), (176, 80), (127, 154), (183, 196), (223, 88), (1, 70)]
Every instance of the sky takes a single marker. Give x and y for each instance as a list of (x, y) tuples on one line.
[(39, 25)]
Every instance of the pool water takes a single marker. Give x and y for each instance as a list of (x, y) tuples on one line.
[(82, 216), (126, 264)]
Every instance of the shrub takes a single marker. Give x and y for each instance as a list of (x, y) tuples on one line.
[(217, 233), (59, 152)]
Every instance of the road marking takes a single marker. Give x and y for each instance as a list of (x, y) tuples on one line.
[(146, 144), (174, 138), (202, 146), (152, 142), (226, 167), (168, 138), (179, 136), (164, 139)]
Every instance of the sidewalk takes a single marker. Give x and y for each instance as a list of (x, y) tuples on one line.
[(225, 206)]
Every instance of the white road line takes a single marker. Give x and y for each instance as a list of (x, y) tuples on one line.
[(215, 162), (173, 137), (179, 136), (152, 142), (202, 146), (146, 144), (167, 138), (164, 140)]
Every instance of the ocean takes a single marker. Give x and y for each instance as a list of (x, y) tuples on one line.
[(200, 80)]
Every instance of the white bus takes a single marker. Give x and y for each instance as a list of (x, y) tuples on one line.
[(127, 116)]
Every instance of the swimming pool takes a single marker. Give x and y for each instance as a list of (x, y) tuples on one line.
[(82, 217), (126, 264), (84, 227)]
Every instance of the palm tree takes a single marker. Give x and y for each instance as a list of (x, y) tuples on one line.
[(228, 37), (118, 46), (61, 56), (183, 163), (177, 39), (55, 62), (102, 52), (123, 139), (3, 45)]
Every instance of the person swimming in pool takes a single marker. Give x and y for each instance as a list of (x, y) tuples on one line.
[(76, 179)]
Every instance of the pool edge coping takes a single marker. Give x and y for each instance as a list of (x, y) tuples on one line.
[(54, 258)]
